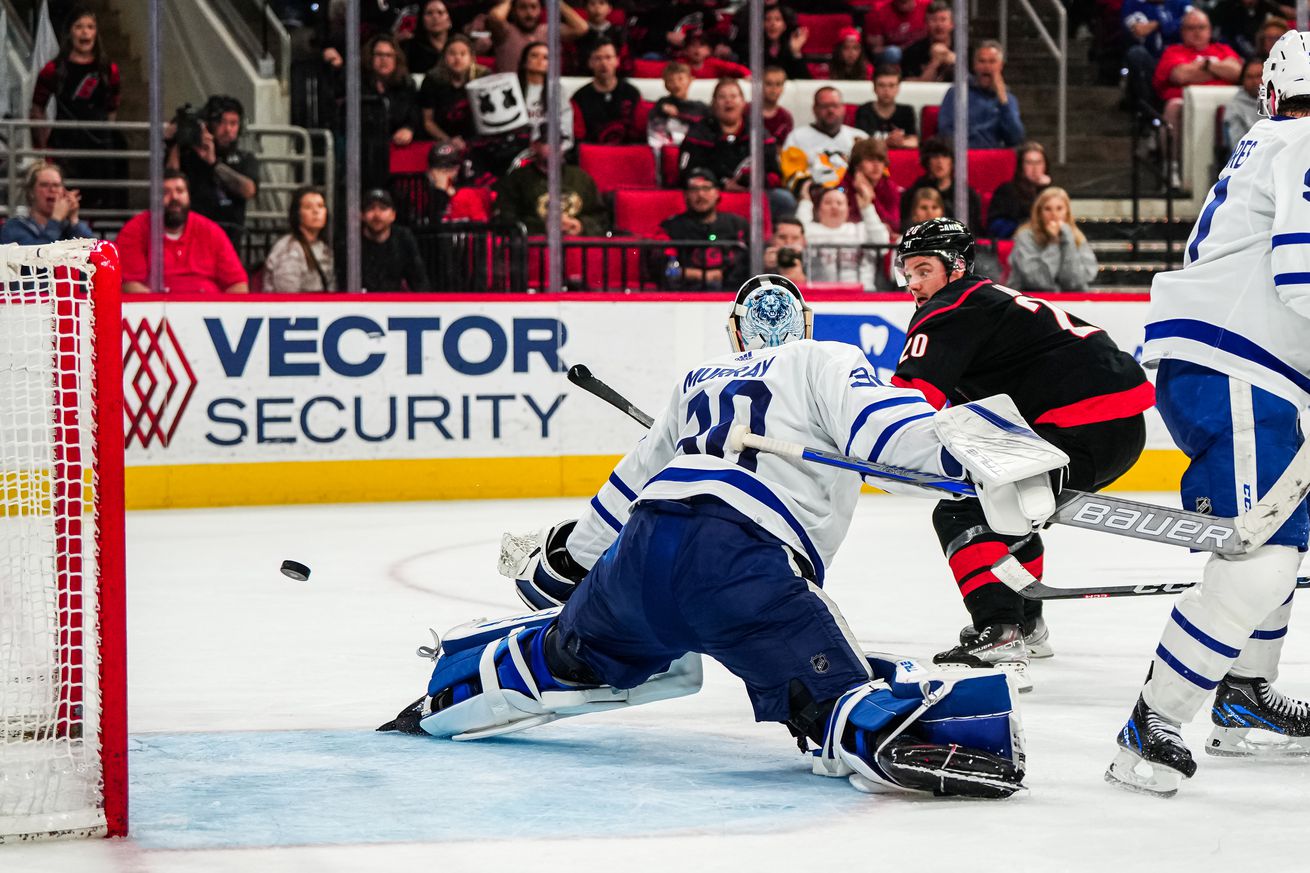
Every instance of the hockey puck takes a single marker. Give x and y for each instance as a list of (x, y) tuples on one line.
[(295, 570)]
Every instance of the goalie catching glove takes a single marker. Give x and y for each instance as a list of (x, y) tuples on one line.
[(543, 571), (1015, 472)]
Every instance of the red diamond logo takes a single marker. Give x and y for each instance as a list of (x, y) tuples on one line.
[(157, 382)]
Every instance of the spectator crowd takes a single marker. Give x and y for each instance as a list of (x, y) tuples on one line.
[(462, 85)]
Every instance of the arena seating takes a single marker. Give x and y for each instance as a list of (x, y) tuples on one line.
[(823, 29), (639, 212), (618, 166)]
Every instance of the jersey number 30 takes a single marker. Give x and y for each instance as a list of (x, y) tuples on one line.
[(712, 431)]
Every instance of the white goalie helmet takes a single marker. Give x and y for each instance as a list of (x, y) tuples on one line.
[(769, 311), (1286, 72)]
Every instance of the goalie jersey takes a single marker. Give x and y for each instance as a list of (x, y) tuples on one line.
[(821, 394), (1241, 303)]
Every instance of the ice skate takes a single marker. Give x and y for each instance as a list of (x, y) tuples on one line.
[(1152, 757), (1253, 720), (999, 646), (1036, 636)]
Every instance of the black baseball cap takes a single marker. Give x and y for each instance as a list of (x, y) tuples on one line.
[(704, 174), (378, 195), (444, 154)]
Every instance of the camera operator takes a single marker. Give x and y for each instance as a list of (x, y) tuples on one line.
[(785, 254), (203, 145)]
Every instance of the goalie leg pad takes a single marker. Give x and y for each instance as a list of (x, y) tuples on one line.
[(916, 729), (508, 684)]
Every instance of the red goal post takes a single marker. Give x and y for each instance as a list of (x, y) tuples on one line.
[(63, 668)]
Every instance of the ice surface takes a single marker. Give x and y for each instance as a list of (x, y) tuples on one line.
[(253, 699)]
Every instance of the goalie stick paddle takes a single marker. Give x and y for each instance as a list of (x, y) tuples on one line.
[(581, 376), (1013, 574), (1112, 515)]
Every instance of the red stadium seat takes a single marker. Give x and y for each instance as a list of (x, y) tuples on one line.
[(984, 201), (851, 109), (817, 69), (640, 212), (643, 113), (488, 61), (669, 169), (823, 32), (618, 166), (645, 68), (904, 166), (412, 158), (1003, 249), (928, 123), (988, 168)]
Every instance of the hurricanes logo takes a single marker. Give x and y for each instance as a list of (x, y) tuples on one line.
[(157, 382), (819, 662)]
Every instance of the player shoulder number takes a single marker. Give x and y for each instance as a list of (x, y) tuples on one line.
[(1032, 304), (915, 347)]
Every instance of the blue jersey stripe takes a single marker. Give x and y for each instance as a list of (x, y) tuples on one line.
[(1207, 216), (622, 488), (605, 515), (1292, 279), (1202, 637), (755, 489), (1227, 341), (1183, 670), (890, 430), (1291, 239), (1269, 635), (871, 409)]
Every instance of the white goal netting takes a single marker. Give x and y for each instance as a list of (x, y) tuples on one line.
[(51, 779)]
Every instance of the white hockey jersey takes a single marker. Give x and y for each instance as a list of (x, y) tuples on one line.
[(1241, 303), (822, 394), (824, 157)]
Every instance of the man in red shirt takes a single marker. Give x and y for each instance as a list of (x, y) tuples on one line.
[(198, 256), (893, 25), (1194, 61)]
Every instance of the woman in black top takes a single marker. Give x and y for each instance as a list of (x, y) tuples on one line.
[(1013, 200), (85, 86), (783, 42), (447, 114), (389, 108), (423, 50)]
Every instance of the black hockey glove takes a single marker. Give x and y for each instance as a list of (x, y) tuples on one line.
[(956, 771)]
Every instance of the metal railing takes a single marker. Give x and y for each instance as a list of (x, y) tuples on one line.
[(301, 157), (475, 257), (863, 264), (260, 33), (1145, 115), (630, 264), (1059, 49)]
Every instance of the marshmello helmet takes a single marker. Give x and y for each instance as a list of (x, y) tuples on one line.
[(769, 311), (1286, 73)]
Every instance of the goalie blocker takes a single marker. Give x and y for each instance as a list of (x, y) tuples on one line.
[(910, 728)]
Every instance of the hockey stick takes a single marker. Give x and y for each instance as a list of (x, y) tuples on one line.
[(1113, 515), (1014, 575), (579, 375)]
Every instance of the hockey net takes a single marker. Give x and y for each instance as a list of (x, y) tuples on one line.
[(63, 738)]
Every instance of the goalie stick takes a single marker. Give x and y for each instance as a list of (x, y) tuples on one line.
[(1113, 515), (579, 375)]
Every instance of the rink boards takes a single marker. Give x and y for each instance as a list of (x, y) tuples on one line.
[(326, 398)]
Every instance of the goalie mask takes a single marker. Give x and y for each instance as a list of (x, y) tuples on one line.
[(943, 238), (1286, 72), (769, 311)]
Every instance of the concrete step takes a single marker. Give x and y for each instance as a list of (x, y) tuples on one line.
[(1124, 229)]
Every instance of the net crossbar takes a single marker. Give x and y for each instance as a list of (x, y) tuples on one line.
[(52, 699)]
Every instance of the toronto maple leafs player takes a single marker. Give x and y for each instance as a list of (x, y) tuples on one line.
[(1230, 336), (692, 546)]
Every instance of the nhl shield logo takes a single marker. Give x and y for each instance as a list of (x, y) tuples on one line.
[(1203, 505), (819, 662)]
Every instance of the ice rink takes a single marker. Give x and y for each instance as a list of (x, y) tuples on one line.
[(254, 698)]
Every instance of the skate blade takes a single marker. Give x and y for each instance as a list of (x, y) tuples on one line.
[(1130, 771), (1255, 743), (1016, 670), (513, 727)]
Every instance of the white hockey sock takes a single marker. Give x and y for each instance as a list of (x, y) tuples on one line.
[(1212, 623), (1260, 655)]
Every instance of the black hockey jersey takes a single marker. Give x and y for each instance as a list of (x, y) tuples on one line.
[(973, 339)]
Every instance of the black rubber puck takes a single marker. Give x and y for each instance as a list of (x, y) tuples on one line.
[(295, 570)]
